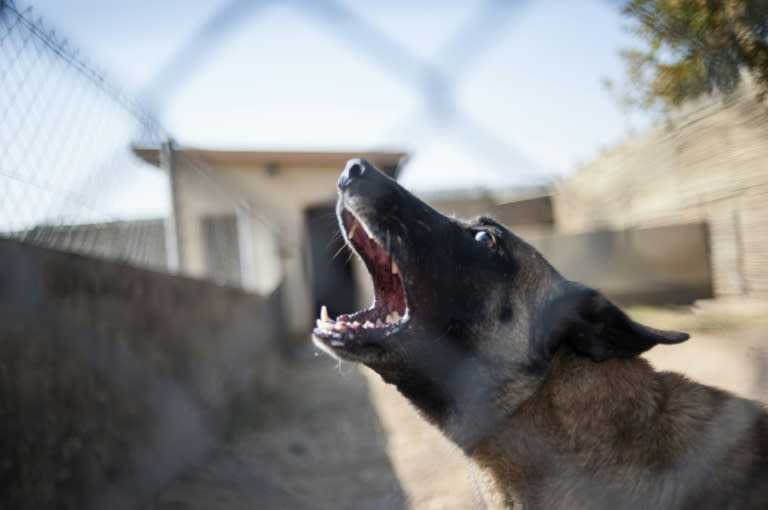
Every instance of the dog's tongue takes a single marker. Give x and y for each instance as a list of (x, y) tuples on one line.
[(387, 283), (389, 304)]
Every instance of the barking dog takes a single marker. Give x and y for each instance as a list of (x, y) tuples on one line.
[(536, 378)]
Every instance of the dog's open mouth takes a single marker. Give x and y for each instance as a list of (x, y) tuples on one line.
[(389, 311)]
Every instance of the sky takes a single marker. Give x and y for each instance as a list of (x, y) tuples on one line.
[(522, 101)]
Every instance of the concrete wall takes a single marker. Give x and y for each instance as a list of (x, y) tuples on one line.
[(708, 163), (112, 378), (659, 265)]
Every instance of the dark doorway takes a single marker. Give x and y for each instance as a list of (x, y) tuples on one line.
[(331, 268)]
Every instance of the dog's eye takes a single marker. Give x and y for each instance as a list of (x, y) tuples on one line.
[(486, 238)]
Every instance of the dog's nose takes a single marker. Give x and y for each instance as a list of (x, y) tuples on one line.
[(354, 170)]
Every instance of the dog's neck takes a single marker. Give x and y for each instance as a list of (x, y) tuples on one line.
[(584, 414)]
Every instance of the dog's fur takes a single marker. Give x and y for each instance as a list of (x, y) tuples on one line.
[(537, 378)]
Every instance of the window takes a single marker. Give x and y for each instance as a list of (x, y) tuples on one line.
[(222, 249)]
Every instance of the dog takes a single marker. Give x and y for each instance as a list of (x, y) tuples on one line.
[(536, 378)]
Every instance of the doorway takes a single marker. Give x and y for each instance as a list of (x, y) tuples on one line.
[(333, 282)]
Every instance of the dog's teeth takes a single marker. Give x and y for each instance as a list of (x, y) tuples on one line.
[(336, 343), (325, 326), (352, 229), (368, 324), (379, 323), (355, 324), (395, 316), (324, 314), (340, 326), (395, 269), (391, 318)]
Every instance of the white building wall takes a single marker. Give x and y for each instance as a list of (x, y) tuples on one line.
[(277, 201)]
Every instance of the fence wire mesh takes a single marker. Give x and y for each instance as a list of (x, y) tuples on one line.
[(70, 177)]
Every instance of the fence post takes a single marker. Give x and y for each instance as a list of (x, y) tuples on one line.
[(173, 237)]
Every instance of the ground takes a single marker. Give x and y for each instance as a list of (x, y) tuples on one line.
[(330, 436)]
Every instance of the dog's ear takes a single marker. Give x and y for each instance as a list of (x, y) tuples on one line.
[(595, 327)]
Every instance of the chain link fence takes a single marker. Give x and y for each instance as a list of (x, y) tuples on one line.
[(70, 177), (75, 175)]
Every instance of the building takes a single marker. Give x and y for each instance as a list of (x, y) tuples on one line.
[(262, 218)]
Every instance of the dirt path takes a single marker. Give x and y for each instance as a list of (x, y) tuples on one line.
[(329, 436), (332, 436)]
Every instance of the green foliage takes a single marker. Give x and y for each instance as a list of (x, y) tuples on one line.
[(694, 47)]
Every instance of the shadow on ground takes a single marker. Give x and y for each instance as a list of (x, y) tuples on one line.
[(310, 441)]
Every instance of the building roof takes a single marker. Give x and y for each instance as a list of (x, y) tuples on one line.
[(387, 161)]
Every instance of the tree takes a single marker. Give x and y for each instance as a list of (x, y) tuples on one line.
[(694, 47)]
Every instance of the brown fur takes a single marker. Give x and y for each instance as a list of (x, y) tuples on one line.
[(617, 434)]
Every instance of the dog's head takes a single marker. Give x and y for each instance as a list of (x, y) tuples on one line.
[(461, 309)]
